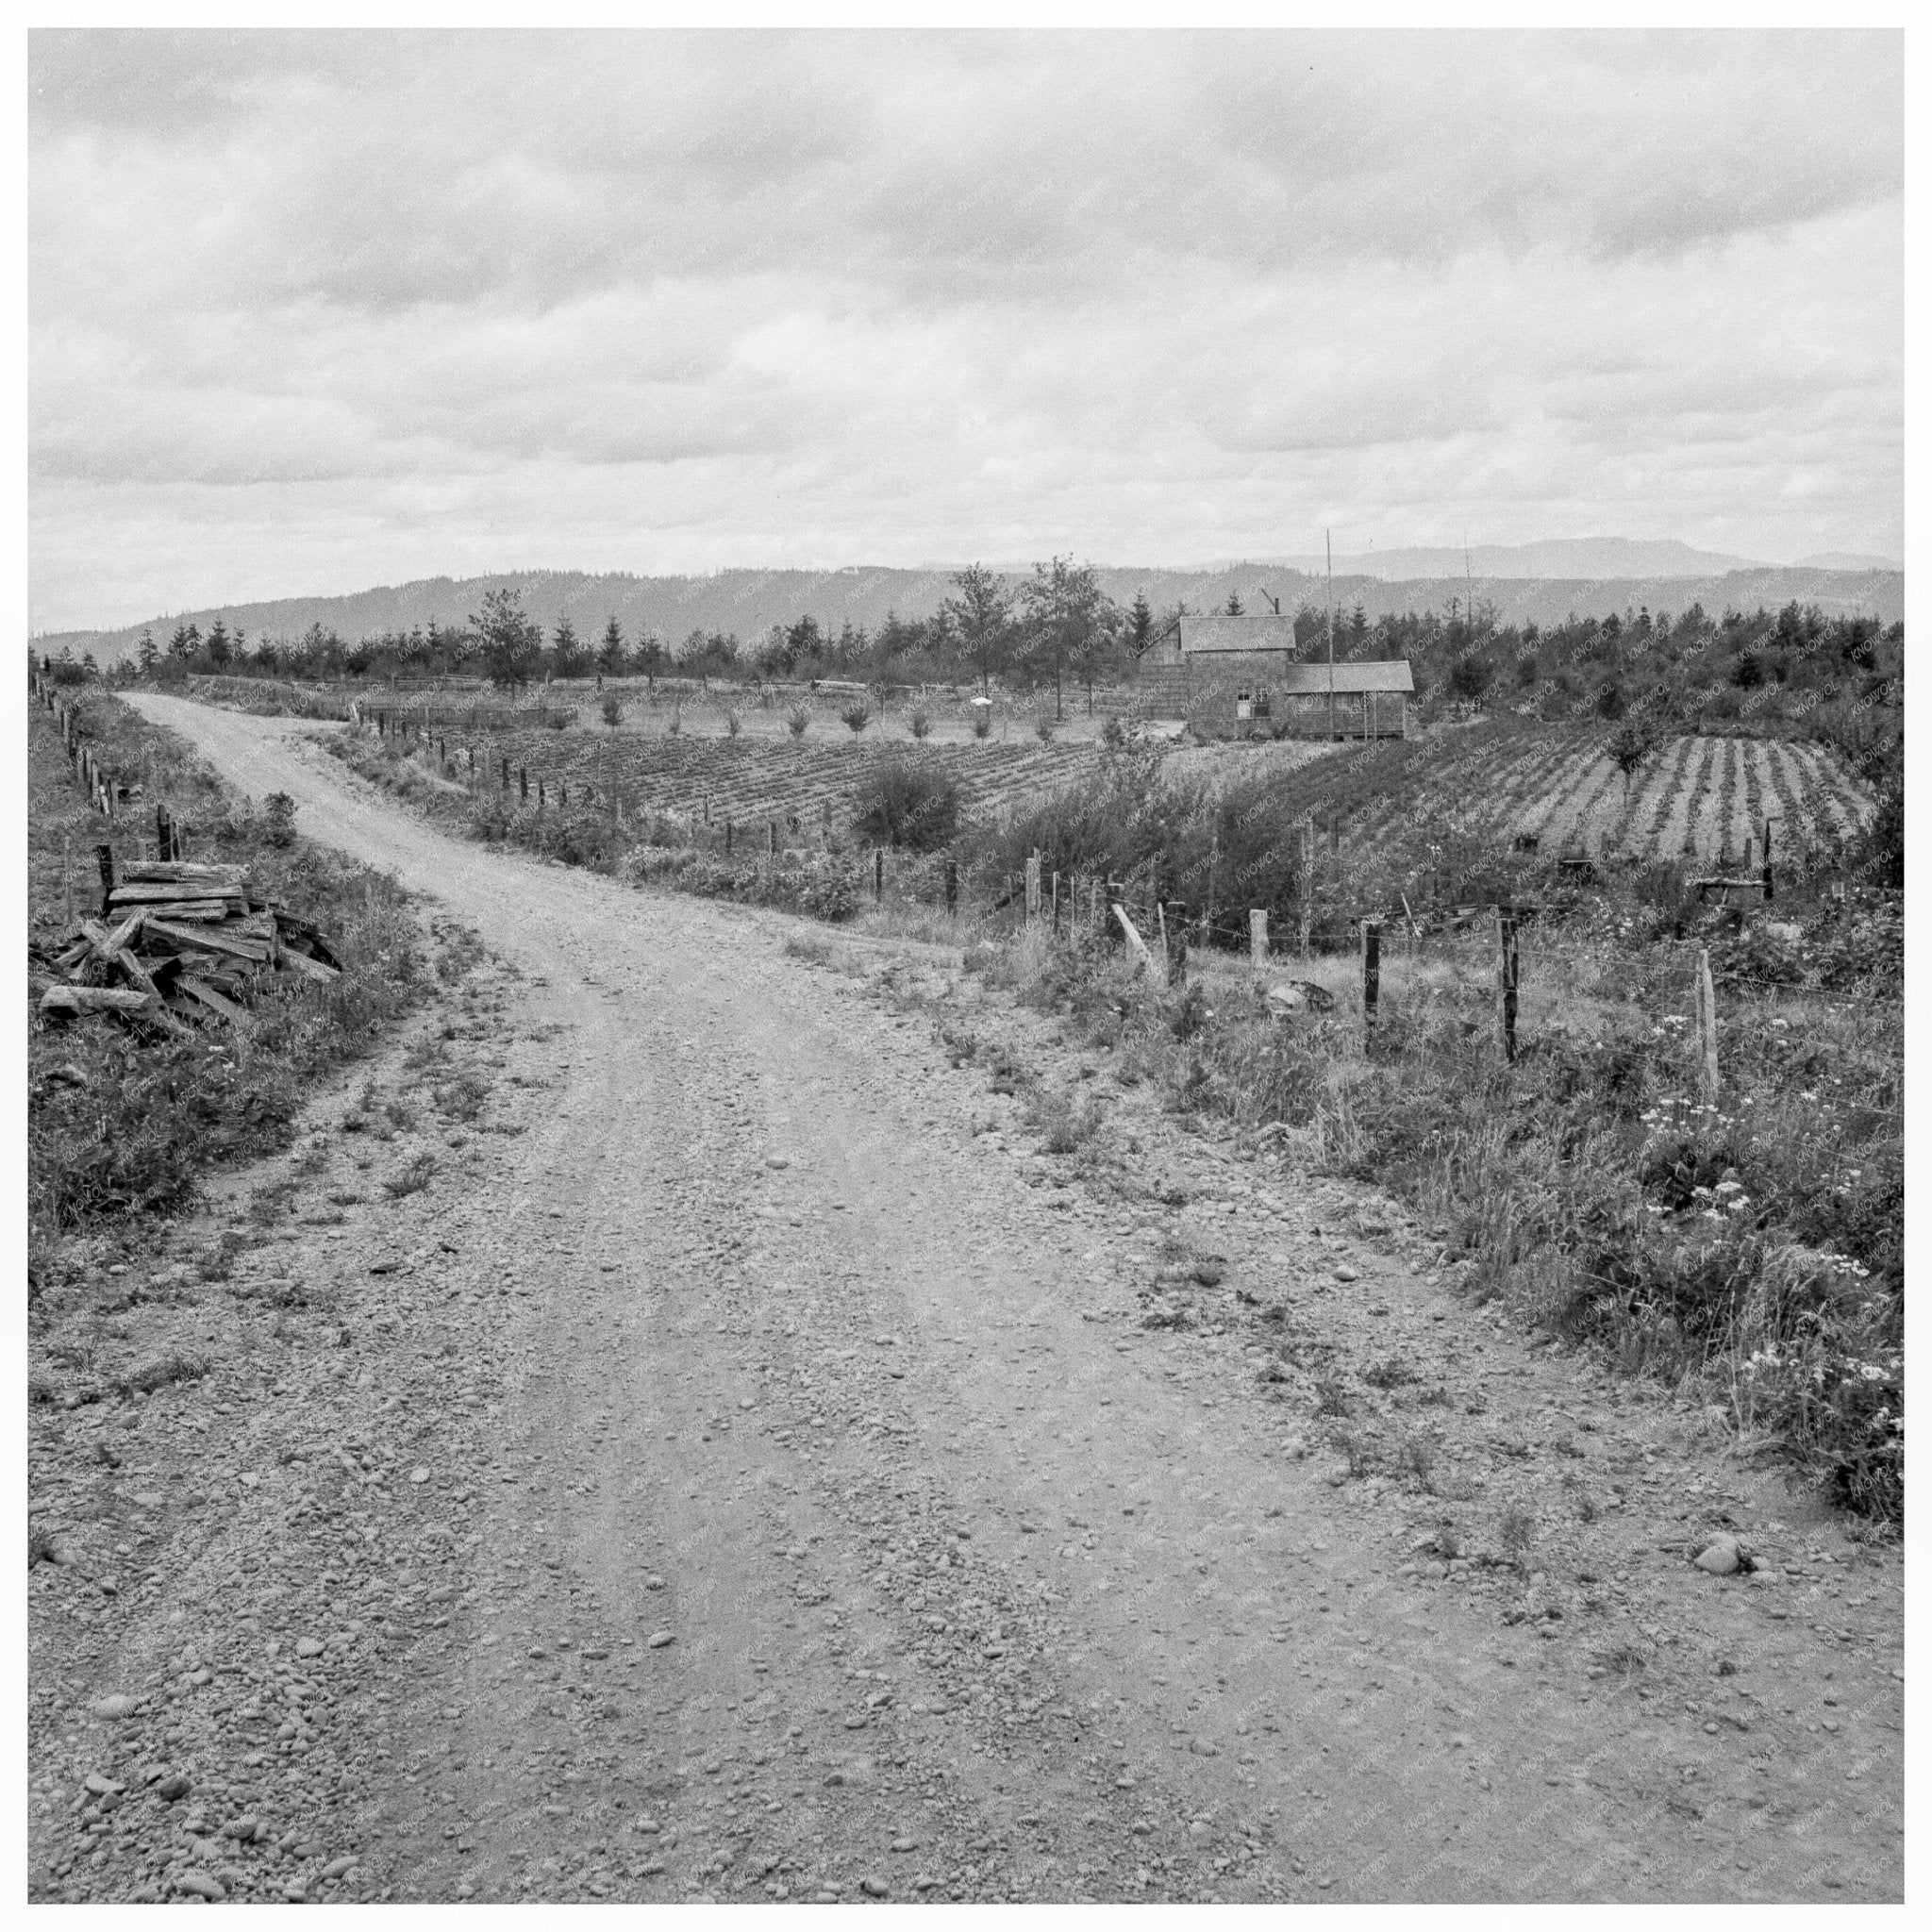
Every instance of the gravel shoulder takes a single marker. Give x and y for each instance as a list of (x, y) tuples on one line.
[(759, 1471)]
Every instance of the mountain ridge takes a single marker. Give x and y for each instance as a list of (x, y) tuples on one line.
[(749, 601)]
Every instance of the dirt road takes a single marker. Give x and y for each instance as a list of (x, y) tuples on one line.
[(829, 1524)]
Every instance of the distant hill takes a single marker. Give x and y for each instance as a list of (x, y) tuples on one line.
[(1566, 558), (750, 601), (1846, 560)]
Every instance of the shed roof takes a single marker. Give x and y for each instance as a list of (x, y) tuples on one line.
[(1311, 680)]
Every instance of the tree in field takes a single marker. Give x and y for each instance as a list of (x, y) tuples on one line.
[(147, 653), (1139, 633), (984, 614), (185, 642), (611, 653), (1631, 747), (220, 651), (1070, 621), (512, 644), (1235, 606), (567, 653)]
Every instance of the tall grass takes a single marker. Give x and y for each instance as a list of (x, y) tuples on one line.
[(1751, 1249)]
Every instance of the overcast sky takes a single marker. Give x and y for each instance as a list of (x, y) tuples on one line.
[(315, 311)]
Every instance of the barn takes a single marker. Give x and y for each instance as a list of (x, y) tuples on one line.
[(1247, 673)]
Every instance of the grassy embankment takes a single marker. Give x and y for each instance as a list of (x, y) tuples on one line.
[(123, 1124)]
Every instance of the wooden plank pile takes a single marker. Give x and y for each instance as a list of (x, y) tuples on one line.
[(178, 942)]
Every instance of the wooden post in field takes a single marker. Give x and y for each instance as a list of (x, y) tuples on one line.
[(1706, 1026), (1178, 957), (708, 808), (506, 774), (727, 835), (1092, 905), (67, 875), (1056, 905), (775, 840), (1258, 937), (1305, 879), (1506, 980), (1161, 926), (524, 784), (539, 794), (1750, 852), (878, 875), (1770, 885), (1334, 831), (952, 888), (1033, 889), (1371, 971), (104, 857)]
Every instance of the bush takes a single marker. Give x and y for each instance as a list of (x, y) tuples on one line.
[(613, 712), (1044, 729), (919, 725), (856, 715), (982, 722), (732, 724), (908, 805), (280, 828), (796, 721)]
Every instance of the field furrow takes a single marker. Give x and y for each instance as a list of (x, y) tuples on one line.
[(1675, 838)]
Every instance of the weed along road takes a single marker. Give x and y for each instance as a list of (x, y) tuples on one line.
[(837, 1527)]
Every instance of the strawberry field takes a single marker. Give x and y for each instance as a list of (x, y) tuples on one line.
[(1696, 799), (751, 780)]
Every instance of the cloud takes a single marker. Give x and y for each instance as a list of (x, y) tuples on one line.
[(369, 303)]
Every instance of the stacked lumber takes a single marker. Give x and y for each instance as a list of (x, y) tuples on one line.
[(180, 941)]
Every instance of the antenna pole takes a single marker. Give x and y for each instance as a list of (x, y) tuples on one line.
[(1328, 545)]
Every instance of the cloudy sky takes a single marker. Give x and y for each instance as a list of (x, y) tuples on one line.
[(314, 311)]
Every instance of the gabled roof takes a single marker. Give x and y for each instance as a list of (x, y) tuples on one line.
[(1214, 631)]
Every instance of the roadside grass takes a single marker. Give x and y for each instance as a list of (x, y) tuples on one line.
[(121, 1127), (1749, 1252)]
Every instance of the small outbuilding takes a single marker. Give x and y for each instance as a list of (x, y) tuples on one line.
[(1249, 671)]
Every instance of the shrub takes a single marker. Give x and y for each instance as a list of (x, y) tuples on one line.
[(674, 724), (857, 715), (1044, 728), (982, 722), (732, 724), (796, 721), (907, 805), (280, 813), (613, 712), (919, 725)]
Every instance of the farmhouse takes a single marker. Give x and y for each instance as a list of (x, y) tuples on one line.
[(1248, 671)]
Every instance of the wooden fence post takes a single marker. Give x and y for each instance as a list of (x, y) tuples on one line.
[(952, 888), (772, 829), (524, 784), (727, 835), (67, 875), (1258, 937), (1371, 971), (1769, 884), (104, 857), (1305, 880), (1706, 1026), (1507, 980), (1032, 887), (1178, 957), (506, 774), (878, 875), (1056, 905)]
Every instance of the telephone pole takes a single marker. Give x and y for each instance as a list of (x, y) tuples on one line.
[(1329, 544)]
